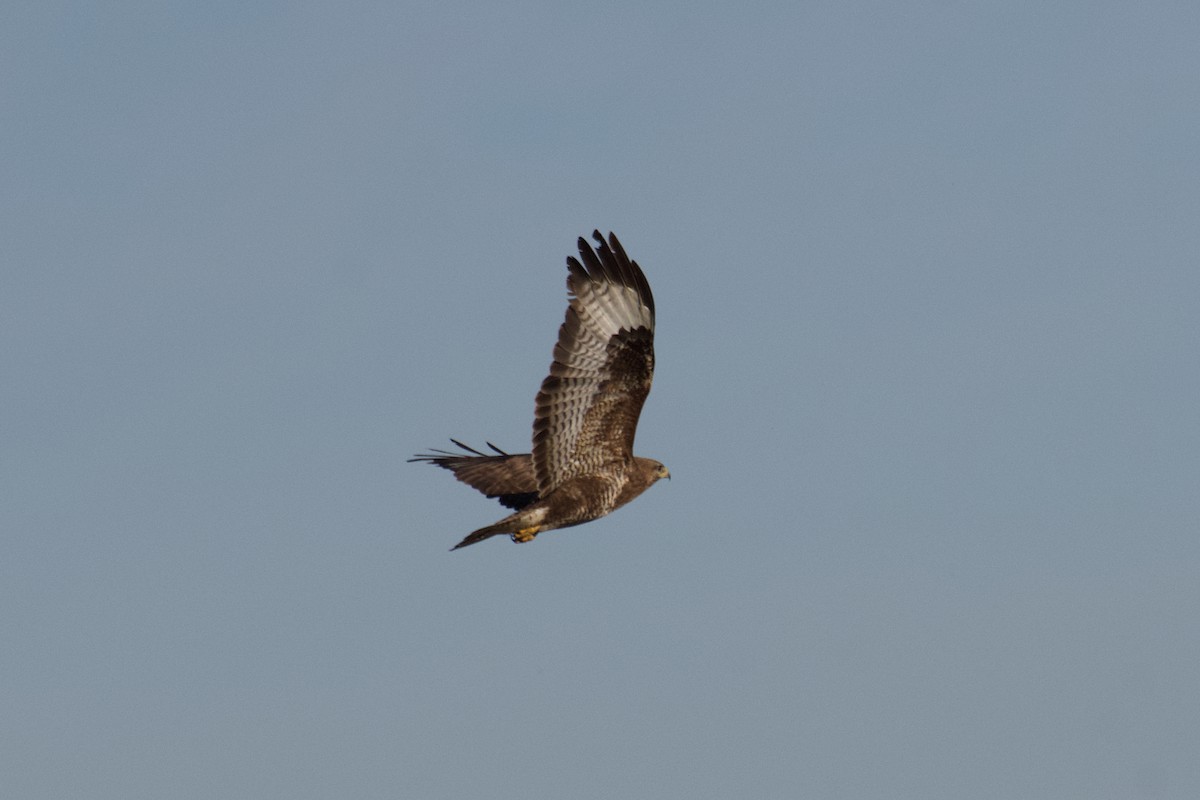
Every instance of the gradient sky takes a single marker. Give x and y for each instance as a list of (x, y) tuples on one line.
[(927, 281)]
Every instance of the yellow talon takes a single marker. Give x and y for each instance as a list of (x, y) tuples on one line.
[(525, 534)]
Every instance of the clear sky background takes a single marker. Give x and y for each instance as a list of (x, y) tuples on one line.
[(927, 280)]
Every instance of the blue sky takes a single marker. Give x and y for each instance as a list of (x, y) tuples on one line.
[(927, 384)]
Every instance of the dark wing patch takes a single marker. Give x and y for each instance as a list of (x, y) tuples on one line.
[(610, 424), (506, 477)]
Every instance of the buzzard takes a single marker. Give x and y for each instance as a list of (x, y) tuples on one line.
[(585, 416)]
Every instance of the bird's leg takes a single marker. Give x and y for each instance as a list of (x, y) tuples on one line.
[(525, 534)]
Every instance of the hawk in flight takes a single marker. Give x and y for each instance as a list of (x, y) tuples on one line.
[(582, 465)]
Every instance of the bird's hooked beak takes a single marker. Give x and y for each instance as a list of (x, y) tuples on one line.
[(663, 472)]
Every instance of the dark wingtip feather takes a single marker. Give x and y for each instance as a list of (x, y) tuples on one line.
[(436, 452), (608, 260), (468, 448)]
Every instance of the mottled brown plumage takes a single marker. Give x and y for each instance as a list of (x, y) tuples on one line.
[(585, 416)]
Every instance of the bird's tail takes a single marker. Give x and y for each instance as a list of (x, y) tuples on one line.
[(483, 533), (522, 526)]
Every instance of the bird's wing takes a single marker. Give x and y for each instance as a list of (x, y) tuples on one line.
[(587, 410), (506, 477)]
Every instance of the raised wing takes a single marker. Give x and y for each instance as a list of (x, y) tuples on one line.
[(508, 478), (587, 410)]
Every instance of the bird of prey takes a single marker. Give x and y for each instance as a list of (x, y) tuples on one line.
[(585, 416)]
